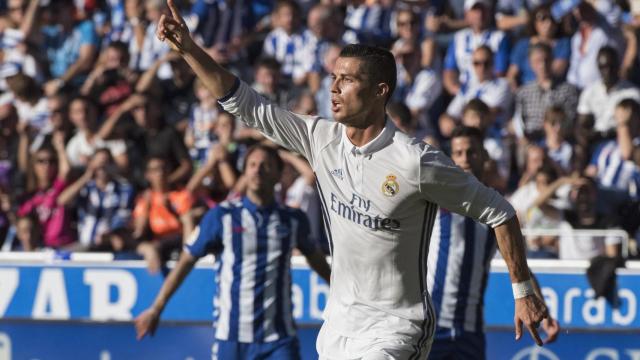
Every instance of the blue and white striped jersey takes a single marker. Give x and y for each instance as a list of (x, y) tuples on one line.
[(291, 50), (613, 171), (459, 259), (100, 211), (465, 42), (253, 257)]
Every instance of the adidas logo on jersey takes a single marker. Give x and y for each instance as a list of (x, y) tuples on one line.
[(337, 173)]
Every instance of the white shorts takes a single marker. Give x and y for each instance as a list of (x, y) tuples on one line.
[(333, 346)]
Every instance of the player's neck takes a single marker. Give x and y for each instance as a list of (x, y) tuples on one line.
[(261, 198), (360, 136)]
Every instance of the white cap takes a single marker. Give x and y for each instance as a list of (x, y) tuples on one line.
[(468, 4)]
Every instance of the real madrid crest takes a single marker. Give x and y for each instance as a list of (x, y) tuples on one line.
[(390, 186)]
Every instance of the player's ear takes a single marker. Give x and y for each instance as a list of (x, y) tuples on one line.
[(382, 90)]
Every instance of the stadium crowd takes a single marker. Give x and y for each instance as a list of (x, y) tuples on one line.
[(108, 142)]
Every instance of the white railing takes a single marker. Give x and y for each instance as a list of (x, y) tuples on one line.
[(584, 232)]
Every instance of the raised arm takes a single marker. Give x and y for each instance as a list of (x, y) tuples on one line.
[(174, 29), (280, 125)]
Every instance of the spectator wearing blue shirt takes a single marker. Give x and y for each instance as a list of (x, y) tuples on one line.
[(458, 70), (70, 46), (252, 239), (104, 203), (542, 29)]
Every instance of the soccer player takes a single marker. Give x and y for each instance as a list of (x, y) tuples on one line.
[(252, 239), (380, 191), (460, 253)]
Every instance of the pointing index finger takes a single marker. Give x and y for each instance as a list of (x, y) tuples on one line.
[(174, 11), (534, 334)]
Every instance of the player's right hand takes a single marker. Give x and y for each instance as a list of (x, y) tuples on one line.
[(530, 311), (146, 323), (174, 29)]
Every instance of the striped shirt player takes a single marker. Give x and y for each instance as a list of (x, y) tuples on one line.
[(253, 248), (382, 197), (101, 211), (465, 41), (293, 51), (613, 171), (460, 254)]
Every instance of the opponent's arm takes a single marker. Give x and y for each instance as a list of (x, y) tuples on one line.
[(147, 321)]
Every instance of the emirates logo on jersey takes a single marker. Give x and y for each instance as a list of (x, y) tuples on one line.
[(390, 186)]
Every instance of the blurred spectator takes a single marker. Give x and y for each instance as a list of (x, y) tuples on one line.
[(527, 190), (26, 235), (46, 179), (585, 46), (19, 23), (305, 104), (157, 224), (400, 114), (514, 15), (458, 64), (71, 44), (598, 100), (202, 121), (8, 148), (110, 80), (144, 46), (297, 189), (323, 95), (533, 99), (175, 94), (30, 102), (219, 171), (151, 137), (83, 145), (556, 124), (268, 81), (371, 20), (223, 28), (495, 92), (476, 114), (585, 215), (104, 203), (612, 164), (286, 42), (543, 29)]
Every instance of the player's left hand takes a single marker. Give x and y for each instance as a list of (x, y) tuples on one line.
[(146, 323), (530, 311), (552, 328)]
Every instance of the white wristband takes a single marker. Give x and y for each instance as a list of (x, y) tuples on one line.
[(523, 289)]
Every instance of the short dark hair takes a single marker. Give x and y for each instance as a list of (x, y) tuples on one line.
[(378, 63), (468, 131), (478, 106), (610, 51), (630, 104), (287, 3), (271, 152), (540, 47), (487, 50), (269, 63)]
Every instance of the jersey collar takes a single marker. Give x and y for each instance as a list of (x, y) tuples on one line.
[(384, 138), (252, 207)]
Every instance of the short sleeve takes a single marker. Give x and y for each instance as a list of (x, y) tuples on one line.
[(450, 62), (88, 34), (303, 232), (562, 50), (207, 236), (583, 103), (447, 185), (502, 56)]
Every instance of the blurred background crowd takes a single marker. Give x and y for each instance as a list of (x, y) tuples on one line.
[(108, 142)]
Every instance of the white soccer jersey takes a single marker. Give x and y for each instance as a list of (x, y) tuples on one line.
[(379, 203)]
